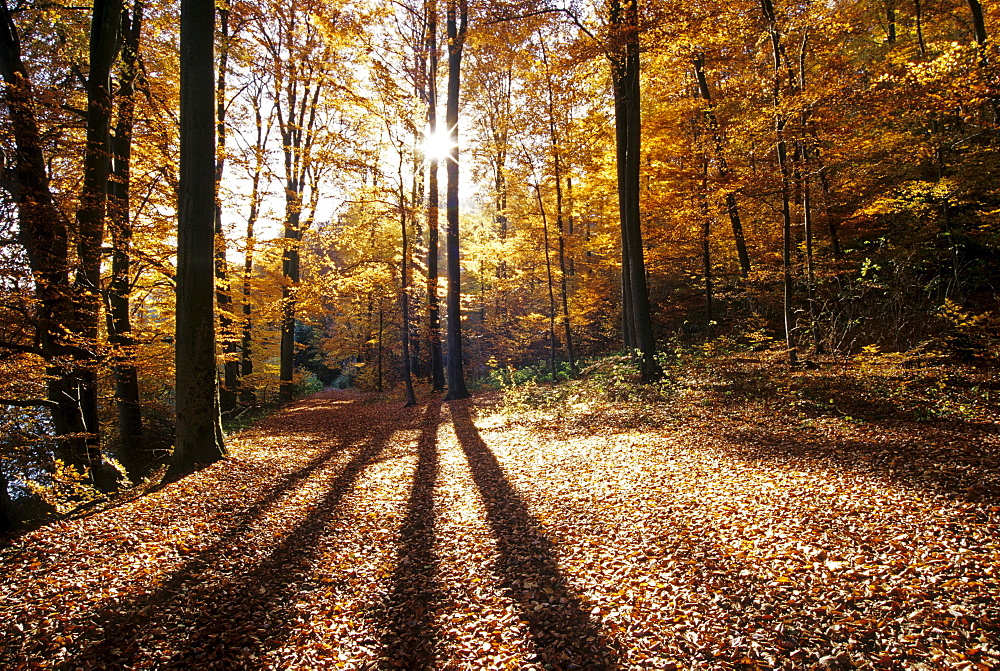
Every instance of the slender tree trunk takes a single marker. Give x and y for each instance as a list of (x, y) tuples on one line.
[(548, 278), (228, 392), (918, 12), (290, 272), (732, 209), (570, 221), (90, 217), (786, 246), (297, 96), (890, 19), (979, 32), (126, 378), (248, 395), (621, 153), (560, 223), (433, 195), (7, 521), (806, 154), (810, 269), (832, 227), (782, 149), (405, 293), (457, 20), (381, 335), (706, 250), (197, 411), (628, 126)]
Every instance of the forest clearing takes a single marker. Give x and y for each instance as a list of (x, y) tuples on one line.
[(514, 334), (510, 532)]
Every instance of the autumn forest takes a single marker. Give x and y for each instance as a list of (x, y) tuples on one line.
[(515, 334)]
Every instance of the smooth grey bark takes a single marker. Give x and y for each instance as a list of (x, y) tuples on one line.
[(197, 411)]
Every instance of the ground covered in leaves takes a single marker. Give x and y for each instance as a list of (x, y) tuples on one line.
[(719, 531)]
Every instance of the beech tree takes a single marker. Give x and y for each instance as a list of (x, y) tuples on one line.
[(198, 441), (818, 174), (67, 323), (457, 21), (134, 453)]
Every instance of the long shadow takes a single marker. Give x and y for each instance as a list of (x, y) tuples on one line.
[(410, 636), (559, 625), (229, 621), (965, 469)]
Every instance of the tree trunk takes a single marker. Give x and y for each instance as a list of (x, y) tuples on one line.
[(433, 195), (290, 272), (782, 150), (90, 216), (197, 412), (130, 430), (890, 20), (44, 232), (919, 16), (456, 39), (560, 223), (248, 395), (7, 521), (405, 294), (805, 154), (381, 333), (706, 250), (732, 209), (548, 277), (979, 32), (228, 391), (625, 78)]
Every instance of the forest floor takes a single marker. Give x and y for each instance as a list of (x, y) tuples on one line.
[(718, 529)]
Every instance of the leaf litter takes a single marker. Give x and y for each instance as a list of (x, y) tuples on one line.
[(347, 532)]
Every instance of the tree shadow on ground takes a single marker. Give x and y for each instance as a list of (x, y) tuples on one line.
[(409, 638), (943, 460), (212, 620), (563, 634), (906, 395)]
